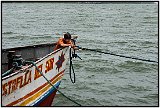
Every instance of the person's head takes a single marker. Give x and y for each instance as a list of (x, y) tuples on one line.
[(67, 37)]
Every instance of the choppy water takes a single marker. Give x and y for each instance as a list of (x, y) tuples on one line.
[(101, 80)]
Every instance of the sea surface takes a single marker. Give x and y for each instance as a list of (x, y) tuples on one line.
[(129, 29)]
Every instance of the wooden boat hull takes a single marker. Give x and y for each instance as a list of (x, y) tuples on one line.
[(27, 87), (48, 98)]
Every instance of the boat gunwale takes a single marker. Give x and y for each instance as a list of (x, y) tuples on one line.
[(29, 66), (30, 46)]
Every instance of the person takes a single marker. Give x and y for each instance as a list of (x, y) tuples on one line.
[(64, 42)]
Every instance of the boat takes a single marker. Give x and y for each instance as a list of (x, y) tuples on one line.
[(25, 85)]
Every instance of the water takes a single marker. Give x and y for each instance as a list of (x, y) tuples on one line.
[(101, 80)]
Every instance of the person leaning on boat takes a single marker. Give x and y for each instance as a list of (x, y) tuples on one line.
[(65, 41)]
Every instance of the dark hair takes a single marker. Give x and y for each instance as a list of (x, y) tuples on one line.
[(67, 36)]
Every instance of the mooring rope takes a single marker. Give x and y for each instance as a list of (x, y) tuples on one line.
[(7, 72), (52, 84), (118, 55), (71, 69)]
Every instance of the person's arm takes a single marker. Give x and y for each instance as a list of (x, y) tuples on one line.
[(64, 45)]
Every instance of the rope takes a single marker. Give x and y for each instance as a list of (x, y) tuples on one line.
[(52, 84), (7, 72), (118, 55), (71, 69)]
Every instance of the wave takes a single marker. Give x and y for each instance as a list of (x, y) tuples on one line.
[(8, 33)]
